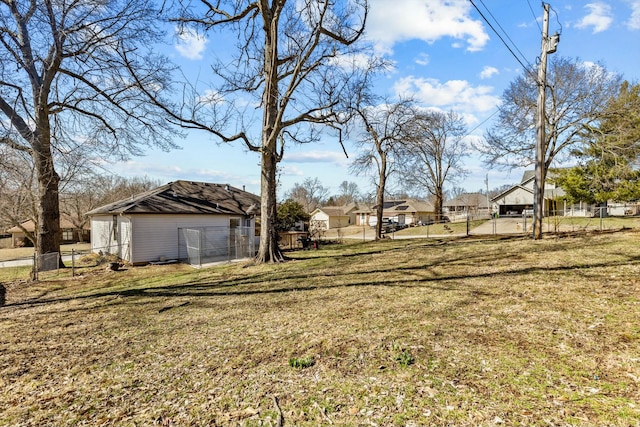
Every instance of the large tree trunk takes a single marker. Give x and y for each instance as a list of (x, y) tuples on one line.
[(438, 202), (269, 251), (48, 235), (380, 194)]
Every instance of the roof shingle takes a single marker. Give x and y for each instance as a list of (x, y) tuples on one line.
[(186, 197)]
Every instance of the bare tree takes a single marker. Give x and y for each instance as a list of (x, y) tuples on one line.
[(66, 86), (577, 93), (298, 60), (500, 189), (348, 193), (456, 192), (433, 153), (381, 132), (310, 194), (89, 190), (17, 190)]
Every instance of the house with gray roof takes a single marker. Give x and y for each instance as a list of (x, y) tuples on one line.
[(519, 198), (166, 222), (403, 211), (467, 204), (327, 217)]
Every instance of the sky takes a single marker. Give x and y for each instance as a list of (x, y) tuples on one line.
[(445, 56)]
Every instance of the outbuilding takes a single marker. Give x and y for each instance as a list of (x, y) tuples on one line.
[(172, 221)]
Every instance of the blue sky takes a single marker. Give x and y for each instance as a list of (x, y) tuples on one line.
[(444, 55)]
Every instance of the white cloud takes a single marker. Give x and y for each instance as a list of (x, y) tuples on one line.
[(458, 95), (600, 17), (317, 156), (488, 72), (352, 61), (390, 23), (189, 43), (422, 59), (210, 97), (289, 170), (167, 173), (634, 19)]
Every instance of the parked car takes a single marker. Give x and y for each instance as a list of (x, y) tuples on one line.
[(392, 226), (527, 212)]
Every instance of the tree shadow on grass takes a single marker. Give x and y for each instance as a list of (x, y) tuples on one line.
[(254, 285)]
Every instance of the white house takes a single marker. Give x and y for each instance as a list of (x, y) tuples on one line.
[(519, 198), (328, 217), (152, 226), (467, 204), (405, 211)]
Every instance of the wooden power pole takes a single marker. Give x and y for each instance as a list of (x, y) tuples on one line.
[(548, 46)]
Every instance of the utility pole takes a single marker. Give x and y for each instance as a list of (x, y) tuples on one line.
[(548, 46)]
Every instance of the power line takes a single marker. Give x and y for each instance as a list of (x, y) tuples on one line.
[(557, 19), (535, 17), (506, 34), (499, 36), (469, 133), (527, 68)]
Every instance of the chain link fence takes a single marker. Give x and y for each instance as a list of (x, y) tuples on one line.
[(32, 267), (205, 245), (561, 221)]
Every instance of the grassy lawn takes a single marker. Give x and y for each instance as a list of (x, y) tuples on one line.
[(452, 228), (21, 253), (476, 331), (567, 223)]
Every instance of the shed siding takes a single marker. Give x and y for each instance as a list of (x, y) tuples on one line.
[(516, 197), (156, 236), (102, 234), (320, 218), (340, 221), (124, 236)]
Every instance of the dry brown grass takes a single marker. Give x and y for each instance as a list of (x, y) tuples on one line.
[(474, 331), (8, 254)]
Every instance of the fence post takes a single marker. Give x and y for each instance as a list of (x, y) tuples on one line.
[(600, 218), (34, 269), (468, 223), (73, 262)]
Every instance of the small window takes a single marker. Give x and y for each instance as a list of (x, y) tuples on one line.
[(67, 234)]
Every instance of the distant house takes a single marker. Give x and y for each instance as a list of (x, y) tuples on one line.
[(467, 204), (70, 234), (158, 224), (516, 199), (623, 209), (327, 217), (405, 211), (5, 239)]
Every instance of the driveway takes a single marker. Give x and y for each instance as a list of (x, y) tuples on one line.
[(504, 225), (16, 263)]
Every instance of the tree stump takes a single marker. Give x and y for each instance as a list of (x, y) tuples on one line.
[(113, 266)]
